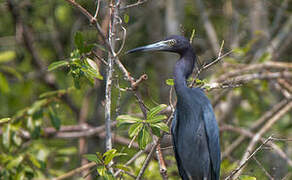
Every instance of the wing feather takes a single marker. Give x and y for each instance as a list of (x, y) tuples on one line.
[(174, 141), (212, 131)]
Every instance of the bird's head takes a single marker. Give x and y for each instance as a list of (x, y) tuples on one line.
[(175, 43)]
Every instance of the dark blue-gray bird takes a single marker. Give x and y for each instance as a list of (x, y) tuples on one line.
[(195, 132)]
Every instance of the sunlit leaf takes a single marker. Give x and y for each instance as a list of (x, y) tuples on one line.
[(170, 82), (4, 120), (109, 155), (128, 119), (7, 56), (157, 119), (101, 170), (93, 158), (57, 64), (6, 136), (16, 139), (36, 106), (154, 111), (15, 162), (20, 176), (34, 161), (93, 68), (162, 126), (123, 167), (4, 86), (246, 177), (134, 129), (143, 138), (265, 57), (126, 18), (68, 150)]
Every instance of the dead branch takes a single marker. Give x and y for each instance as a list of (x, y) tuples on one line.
[(259, 134)]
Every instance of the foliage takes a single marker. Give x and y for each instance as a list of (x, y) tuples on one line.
[(43, 110), (143, 129)]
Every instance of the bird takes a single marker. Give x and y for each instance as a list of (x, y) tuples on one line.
[(194, 129)]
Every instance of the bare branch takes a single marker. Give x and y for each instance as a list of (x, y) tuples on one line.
[(139, 2), (259, 134), (247, 159), (76, 171)]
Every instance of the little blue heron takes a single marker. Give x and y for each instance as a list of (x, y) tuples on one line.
[(195, 132)]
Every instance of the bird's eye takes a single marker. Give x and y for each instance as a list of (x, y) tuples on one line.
[(172, 42)]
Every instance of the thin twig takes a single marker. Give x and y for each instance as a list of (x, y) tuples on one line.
[(97, 9), (75, 171), (262, 167), (139, 2), (247, 159), (161, 162), (259, 134)]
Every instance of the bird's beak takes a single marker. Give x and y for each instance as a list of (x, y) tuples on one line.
[(159, 46)]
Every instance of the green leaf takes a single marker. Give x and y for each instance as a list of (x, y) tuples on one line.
[(56, 122), (6, 136), (128, 119), (4, 86), (265, 57), (99, 155), (135, 129), (4, 120), (57, 64), (156, 110), (170, 82), (53, 93), (16, 139), (12, 71), (15, 162), (126, 18), (92, 69), (162, 126), (34, 161), (20, 176), (143, 137), (246, 177), (7, 56), (157, 119), (93, 158), (67, 151), (101, 170), (36, 106), (78, 40), (123, 167), (109, 155), (155, 131)]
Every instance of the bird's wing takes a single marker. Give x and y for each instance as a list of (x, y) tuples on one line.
[(212, 131), (174, 142)]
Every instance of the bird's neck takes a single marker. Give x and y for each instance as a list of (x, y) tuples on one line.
[(183, 69)]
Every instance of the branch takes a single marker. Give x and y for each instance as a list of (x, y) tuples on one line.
[(259, 134), (267, 115), (161, 162), (249, 134), (248, 158), (267, 66), (75, 171), (139, 2)]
